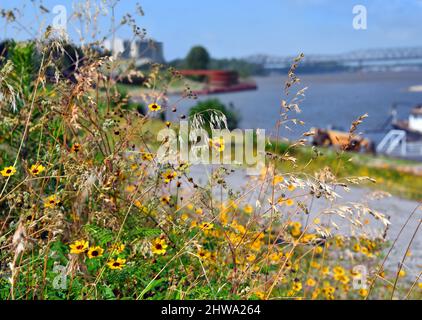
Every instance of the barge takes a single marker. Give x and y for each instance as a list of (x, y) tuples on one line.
[(219, 81)]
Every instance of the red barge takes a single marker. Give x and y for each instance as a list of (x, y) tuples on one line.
[(220, 81)]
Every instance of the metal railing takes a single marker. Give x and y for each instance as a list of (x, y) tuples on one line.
[(395, 142)]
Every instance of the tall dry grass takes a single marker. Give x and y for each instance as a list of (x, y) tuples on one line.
[(88, 212)]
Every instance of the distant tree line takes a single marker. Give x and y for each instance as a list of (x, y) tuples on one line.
[(198, 58)]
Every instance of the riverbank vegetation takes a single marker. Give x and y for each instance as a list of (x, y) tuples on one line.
[(199, 58), (399, 177), (89, 210)]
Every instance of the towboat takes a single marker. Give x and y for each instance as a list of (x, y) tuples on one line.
[(412, 126)]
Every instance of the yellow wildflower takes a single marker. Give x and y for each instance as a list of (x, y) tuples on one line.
[(277, 179), (297, 286), (206, 226), (325, 271), (51, 202), (328, 289), (117, 264), (169, 175), (250, 257), (165, 200), (95, 252), (146, 156), (311, 282), (260, 295), (289, 202), (364, 250), (319, 250), (316, 293), (79, 246), (117, 248), (159, 246), (36, 169), (295, 232), (217, 144), (154, 107), (130, 188), (248, 209), (339, 270), (204, 254), (291, 187), (238, 227), (76, 148), (256, 245), (8, 171), (356, 247), (275, 257), (363, 292)]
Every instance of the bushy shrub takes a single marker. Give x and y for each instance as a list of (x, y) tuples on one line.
[(206, 108)]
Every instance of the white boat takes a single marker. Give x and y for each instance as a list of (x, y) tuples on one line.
[(412, 126)]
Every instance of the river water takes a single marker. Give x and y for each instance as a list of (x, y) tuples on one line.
[(331, 99)]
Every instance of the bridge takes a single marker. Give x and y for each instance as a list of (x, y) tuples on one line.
[(379, 57)]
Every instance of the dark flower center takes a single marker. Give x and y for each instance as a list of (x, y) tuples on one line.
[(8, 171), (158, 246), (94, 253), (116, 264)]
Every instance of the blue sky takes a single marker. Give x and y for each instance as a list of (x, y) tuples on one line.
[(236, 28)]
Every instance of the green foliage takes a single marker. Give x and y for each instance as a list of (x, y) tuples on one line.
[(101, 235), (243, 68), (198, 58), (25, 63), (205, 109), (139, 232), (18, 69)]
